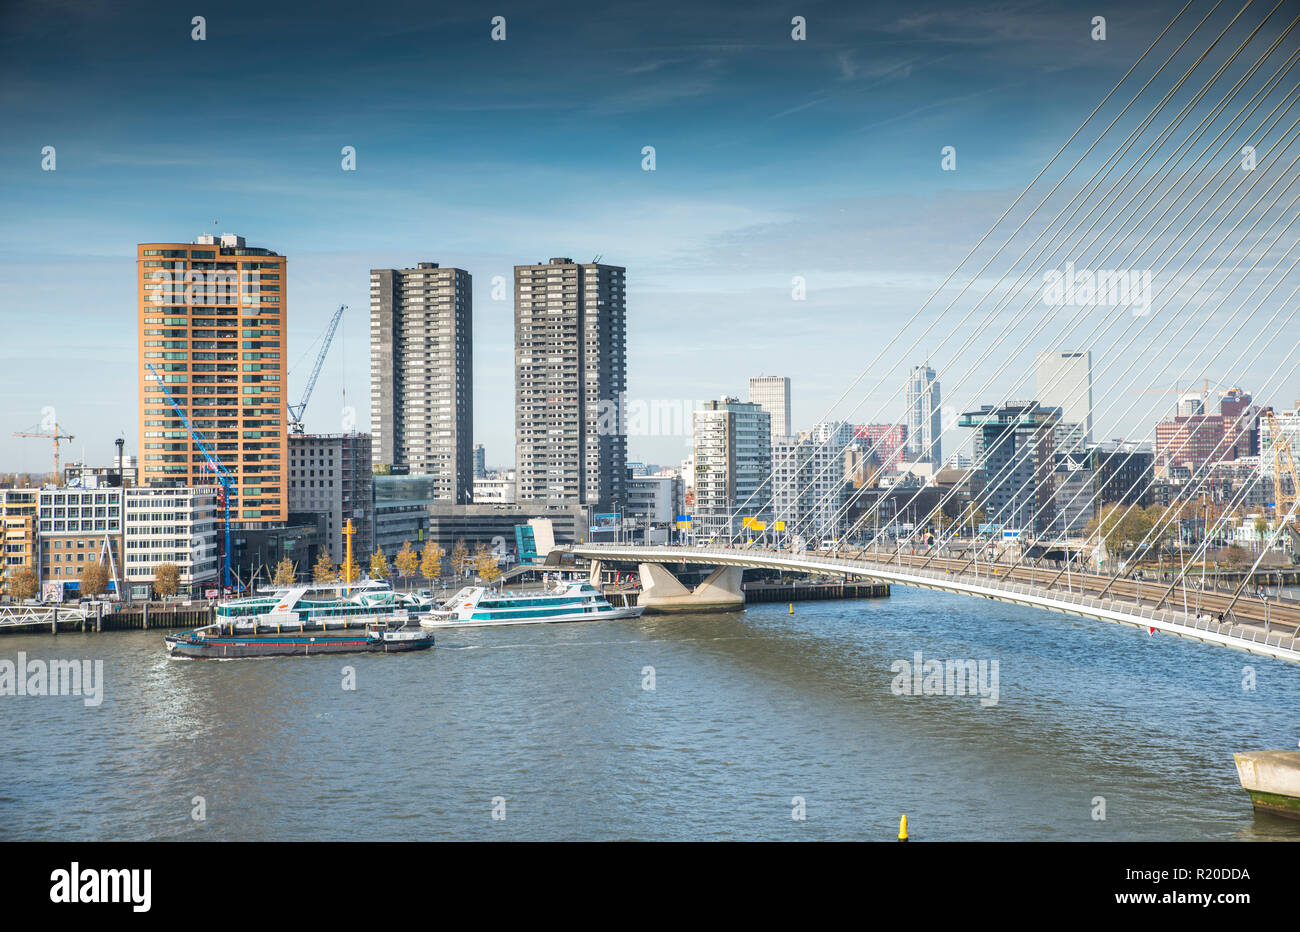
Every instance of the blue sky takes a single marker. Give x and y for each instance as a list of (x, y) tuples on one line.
[(775, 159)]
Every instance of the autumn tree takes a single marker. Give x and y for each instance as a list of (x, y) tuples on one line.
[(286, 574), (1121, 526), (324, 570), (23, 584), (378, 565), (93, 579), (349, 571), (431, 560), (166, 579), (460, 558), (485, 565), (407, 560)]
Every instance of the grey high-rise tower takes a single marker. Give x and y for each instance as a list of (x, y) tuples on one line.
[(772, 392), (570, 382), (1064, 380), (422, 376), (924, 416)]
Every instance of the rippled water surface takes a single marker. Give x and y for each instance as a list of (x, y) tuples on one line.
[(748, 711)]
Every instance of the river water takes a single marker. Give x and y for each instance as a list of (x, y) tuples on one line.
[(754, 718)]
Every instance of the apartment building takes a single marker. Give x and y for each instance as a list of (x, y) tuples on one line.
[(212, 319), (924, 416), (570, 381), (422, 376), (733, 464), (18, 526)]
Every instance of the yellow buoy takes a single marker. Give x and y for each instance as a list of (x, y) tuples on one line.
[(791, 608), (902, 829)]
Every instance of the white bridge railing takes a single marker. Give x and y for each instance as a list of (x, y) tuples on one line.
[(1248, 638), (16, 616)]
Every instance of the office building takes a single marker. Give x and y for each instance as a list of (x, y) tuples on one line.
[(495, 490), (733, 463), (570, 384), (330, 476), (653, 504), (77, 527), (1017, 463), (886, 442), (809, 485), (924, 417), (212, 318), (1191, 441), (480, 461), (179, 526), (124, 472), (1122, 472), (1064, 380), (772, 394), (422, 376)]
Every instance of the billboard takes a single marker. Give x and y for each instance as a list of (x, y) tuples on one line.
[(604, 523)]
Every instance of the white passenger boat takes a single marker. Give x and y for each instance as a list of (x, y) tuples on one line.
[(477, 606)]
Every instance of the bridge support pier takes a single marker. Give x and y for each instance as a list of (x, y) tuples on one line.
[(661, 591)]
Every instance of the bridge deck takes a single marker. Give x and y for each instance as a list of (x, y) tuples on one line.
[(1257, 628)]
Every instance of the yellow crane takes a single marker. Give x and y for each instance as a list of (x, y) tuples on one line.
[(56, 435), (1284, 498)]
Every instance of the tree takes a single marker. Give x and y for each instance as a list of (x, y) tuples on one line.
[(349, 571), (378, 565), (1120, 526), (407, 560), (286, 574), (1235, 555), (166, 579), (485, 565), (431, 560), (93, 579), (460, 558), (23, 584), (324, 570)]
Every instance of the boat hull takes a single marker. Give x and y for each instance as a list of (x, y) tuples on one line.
[(631, 611), (224, 648)]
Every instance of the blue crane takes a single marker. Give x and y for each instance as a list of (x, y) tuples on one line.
[(296, 411), (223, 476)]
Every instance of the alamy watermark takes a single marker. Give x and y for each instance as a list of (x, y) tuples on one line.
[(919, 677), (197, 286), (25, 677), (1073, 287), (657, 417)]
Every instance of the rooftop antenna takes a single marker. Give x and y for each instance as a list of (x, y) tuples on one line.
[(596, 260)]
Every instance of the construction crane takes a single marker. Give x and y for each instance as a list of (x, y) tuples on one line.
[(223, 476), (56, 435), (296, 411), (1284, 498)]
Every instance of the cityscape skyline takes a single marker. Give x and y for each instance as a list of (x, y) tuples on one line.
[(709, 239)]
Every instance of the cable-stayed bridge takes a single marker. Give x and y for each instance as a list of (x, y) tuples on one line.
[(1161, 239), (1244, 623)]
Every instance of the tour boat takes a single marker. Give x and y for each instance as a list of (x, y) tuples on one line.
[(477, 606), (297, 619)]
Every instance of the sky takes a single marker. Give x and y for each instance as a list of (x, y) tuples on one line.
[(776, 160)]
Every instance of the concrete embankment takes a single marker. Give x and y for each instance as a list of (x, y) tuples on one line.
[(1272, 778)]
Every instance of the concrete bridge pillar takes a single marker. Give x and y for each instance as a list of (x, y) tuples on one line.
[(594, 573), (661, 591)]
